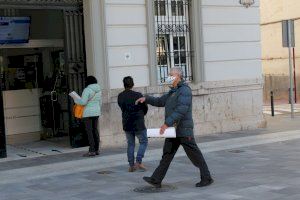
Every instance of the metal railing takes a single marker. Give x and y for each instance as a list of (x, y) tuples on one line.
[(173, 37)]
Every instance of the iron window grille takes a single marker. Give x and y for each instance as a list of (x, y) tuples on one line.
[(173, 39)]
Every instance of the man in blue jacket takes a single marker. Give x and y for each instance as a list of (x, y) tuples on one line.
[(178, 114)]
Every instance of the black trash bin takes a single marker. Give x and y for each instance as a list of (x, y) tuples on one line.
[(78, 136)]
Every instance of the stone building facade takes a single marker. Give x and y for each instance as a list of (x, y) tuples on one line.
[(226, 62), (216, 42)]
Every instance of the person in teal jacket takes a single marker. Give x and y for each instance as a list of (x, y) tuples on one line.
[(91, 99)]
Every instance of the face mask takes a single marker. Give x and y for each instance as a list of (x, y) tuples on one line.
[(170, 80)]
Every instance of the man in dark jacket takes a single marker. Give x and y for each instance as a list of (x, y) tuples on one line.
[(133, 123), (178, 114)]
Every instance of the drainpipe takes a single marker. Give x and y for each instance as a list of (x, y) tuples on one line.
[(295, 83)]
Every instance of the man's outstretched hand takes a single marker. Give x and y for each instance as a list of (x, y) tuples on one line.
[(163, 129), (140, 100)]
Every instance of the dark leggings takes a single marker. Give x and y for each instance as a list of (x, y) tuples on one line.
[(91, 127)]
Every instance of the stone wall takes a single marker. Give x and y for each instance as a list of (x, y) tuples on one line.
[(218, 107)]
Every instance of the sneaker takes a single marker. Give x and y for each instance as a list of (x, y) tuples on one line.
[(141, 167), (151, 182), (131, 169), (205, 182), (97, 152), (89, 154)]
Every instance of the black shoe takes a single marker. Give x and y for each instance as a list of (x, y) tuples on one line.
[(97, 152), (205, 182), (151, 182)]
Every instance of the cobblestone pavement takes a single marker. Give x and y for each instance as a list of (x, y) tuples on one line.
[(253, 167)]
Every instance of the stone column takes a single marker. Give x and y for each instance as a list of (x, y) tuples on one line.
[(96, 58), (95, 40)]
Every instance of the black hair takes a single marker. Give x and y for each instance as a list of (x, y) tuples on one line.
[(90, 80), (128, 82)]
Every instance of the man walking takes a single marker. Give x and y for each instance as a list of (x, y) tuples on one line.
[(133, 123), (178, 114)]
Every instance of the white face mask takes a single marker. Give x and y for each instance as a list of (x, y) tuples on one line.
[(170, 80)]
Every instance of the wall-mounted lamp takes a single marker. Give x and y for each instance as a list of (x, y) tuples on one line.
[(247, 3)]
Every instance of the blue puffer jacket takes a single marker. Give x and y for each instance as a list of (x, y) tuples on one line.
[(178, 109), (91, 99)]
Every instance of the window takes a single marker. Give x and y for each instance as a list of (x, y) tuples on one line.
[(160, 8), (173, 40)]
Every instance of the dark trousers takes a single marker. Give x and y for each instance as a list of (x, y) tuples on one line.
[(91, 127), (192, 151)]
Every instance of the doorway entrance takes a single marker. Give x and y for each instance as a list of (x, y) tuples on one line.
[(38, 75)]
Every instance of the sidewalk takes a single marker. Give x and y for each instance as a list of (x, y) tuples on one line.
[(281, 109)]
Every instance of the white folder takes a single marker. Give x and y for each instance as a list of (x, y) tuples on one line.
[(154, 133), (74, 95)]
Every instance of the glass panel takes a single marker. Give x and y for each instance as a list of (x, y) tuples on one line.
[(176, 57), (162, 59), (182, 57), (161, 49), (23, 71), (175, 43), (180, 8), (162, 6), (183, 67), (182, 42), (173, 6)]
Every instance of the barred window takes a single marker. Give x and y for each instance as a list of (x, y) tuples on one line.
[(173, 39)]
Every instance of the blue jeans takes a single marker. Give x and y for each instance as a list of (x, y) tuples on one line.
[(143, 140)]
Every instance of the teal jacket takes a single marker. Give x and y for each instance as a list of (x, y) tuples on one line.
[(91, 99)]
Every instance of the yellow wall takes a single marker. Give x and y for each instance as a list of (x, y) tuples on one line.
[(275, 57)]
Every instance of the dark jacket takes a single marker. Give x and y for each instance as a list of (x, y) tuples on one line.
[(132, 115), (178, 109)]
